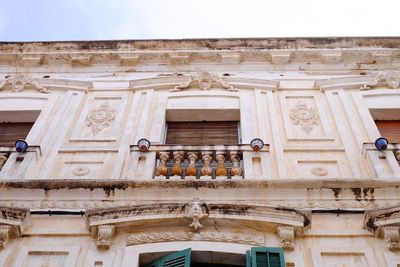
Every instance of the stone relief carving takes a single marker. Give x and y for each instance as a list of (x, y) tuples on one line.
[(19, 82), (214, 236), (304, 116), (392, 236), (286, 234), (195, 211), (390, 79), (100, 118), (205, 81), (3, 159), (5, 231), (105, 234), (319, 171), (81, 171)]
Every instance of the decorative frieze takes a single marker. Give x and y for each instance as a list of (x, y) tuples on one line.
[(105, 233), (286, 234), (207, 235)]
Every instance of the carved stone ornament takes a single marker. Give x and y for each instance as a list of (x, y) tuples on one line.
[(81, 171), (319, 171), (392, 236), (179, 235), (206, 170), (19, 82), (162, 168), (286, 234), (5, 231), (304, 116), (390, 79), (100, 118), (205, 81), (105, 233), (3, 159), (195, 211)]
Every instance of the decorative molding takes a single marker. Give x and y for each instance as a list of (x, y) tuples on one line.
[(5, 231), (286, 234), (319, 171), (293, 204), (304, 116), (81, 171), (20, 82), (105, 233), (205, 81), (100, 118), (389, 79), (206, 235), (196, 211)]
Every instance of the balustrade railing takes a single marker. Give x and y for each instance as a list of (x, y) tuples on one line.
[(198, 162)]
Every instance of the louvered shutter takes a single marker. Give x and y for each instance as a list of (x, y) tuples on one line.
[(177, 259), (203, 133), (390, 130), (265, 257), (11, 132)]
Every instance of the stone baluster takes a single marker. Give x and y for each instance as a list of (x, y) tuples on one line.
[(191, 169), (221, 169), (206, 169), (162, 169), (177, 168), (236, 170)]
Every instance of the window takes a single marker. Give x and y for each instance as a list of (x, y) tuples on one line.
[(203, 133), (390, 129), (12, 131), (256, 257)]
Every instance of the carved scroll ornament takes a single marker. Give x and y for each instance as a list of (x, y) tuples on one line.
[(19, 82), (205, 81), (388, 79)]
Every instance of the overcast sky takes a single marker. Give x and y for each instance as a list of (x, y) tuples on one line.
[(44, 20)]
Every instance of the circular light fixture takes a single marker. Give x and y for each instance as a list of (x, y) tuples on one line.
[(256, 144), (143, 145), (381, 143), (21, 145)]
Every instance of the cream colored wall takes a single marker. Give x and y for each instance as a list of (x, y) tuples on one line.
[(325, 163)]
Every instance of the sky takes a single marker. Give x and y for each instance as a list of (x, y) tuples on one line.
[(61, 20)]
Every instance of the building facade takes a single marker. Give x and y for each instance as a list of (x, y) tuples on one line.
[(317, 192)]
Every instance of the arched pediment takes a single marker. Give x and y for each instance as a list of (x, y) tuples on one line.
[(202, 80), (385, 79), (197, 220), (19, 82)]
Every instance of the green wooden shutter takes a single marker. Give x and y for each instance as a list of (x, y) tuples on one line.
[(265, 257), (177, 259)]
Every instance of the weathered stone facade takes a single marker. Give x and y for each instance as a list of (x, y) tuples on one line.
[(83, 194)]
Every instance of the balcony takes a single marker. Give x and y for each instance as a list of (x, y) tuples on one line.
[(14, 164), (179, 162)]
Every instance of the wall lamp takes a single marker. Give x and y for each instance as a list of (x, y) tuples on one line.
[(21, 145), (381, 143), (143, 145), (256, 144)]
